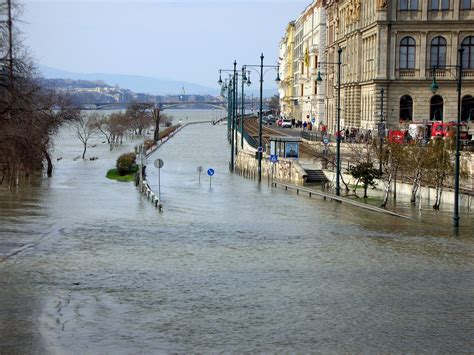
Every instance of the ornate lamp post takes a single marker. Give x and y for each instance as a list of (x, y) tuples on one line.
[(260, 70), (338, 133), (434, 88), (232, 109), (245, 79), (381, 129)]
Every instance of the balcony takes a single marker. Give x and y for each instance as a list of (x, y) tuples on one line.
[(468, 74), (407, 73)]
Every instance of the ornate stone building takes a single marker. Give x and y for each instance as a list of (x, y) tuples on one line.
[(304, 42), (286, 71), (394, 45)]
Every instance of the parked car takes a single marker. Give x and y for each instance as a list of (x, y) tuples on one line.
[(267, 120), (286, 123)]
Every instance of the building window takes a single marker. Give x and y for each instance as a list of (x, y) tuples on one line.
[(301, 90), (407, 53), (439, 5), (406, 108), (438, 52), (408, 5), (436, 108), (467, 112), (468, 54), (465, 4), (315, 87)]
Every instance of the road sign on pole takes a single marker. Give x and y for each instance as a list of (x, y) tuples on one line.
[(199, 170), (210, 172), (273, 158), (159, 164)]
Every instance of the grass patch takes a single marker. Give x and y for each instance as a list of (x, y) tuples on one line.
[(114, 175)]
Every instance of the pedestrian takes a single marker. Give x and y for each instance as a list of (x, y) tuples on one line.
[(304, 125)]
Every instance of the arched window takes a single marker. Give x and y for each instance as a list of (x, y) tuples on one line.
[(438, 52), (468, 54), (407, 53), (436, 108), (467, 108), (406, 108)]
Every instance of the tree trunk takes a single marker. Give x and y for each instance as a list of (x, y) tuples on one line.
[(342, 179), (365, 190), (415, 187), (84, 152), (439, 190), (49, 169), (395, 186), (387, 191), (156, 135)]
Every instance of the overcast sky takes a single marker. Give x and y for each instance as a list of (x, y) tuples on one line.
[(185, 40)]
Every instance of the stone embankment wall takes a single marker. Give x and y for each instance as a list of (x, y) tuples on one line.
[(284, 170)]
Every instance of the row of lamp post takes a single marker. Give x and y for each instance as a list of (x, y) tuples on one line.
[(233, 102)]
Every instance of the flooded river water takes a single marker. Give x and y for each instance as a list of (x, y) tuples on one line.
[(235, 266)]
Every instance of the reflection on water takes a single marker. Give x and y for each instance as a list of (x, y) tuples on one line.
[(234, 266)]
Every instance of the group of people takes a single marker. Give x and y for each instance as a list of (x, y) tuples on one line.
[(355, 136)]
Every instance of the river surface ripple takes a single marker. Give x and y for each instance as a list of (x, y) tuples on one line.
[(229, 267)]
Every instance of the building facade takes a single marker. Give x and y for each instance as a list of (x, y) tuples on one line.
[(397, 46), (286, 71), (300, 48)]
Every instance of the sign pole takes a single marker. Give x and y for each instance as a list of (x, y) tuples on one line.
[(159, 185), (210, 172)]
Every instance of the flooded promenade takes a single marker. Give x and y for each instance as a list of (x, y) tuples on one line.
[(235, 266)]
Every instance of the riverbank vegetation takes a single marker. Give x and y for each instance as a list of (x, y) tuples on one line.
[(429, 164), (30, 115), (125, 168)]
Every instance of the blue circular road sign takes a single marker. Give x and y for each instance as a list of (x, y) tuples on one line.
[(210, 172)]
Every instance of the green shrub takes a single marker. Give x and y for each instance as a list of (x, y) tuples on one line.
[(126, 164)]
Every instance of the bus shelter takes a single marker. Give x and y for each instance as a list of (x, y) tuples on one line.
[(285, 147)]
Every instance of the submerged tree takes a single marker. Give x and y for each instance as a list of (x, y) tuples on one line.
[(366, 173), (362, 168), (393, 160), (84, 127), (30, 115)]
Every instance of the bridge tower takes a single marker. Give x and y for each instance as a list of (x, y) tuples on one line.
[(183, 94)]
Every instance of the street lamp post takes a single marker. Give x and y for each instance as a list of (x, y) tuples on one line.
[(260, 129), (232, 109), (434, 88), (338, 132), (236, 105), (382, 127), (242, 109)]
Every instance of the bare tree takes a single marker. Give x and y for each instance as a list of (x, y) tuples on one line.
[(84, 127), (29, 115), (140, 117), (393, 159)]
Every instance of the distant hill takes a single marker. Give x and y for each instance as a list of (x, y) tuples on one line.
[(134, 83), (143, 84)]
